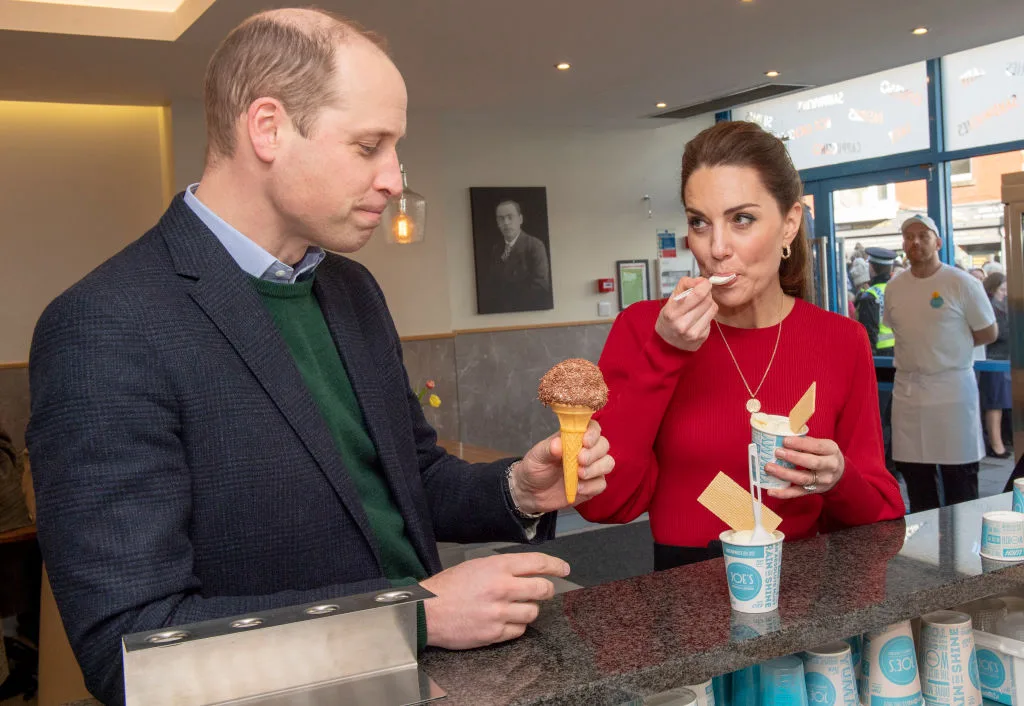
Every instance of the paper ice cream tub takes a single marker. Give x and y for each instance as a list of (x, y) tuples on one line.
[(830, 677), (888, 671), (949, 665), (768, 432), (1018, 495), (752, 571), (1002, 535)]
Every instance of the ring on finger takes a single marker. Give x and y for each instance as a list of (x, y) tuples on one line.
[(813, 485)]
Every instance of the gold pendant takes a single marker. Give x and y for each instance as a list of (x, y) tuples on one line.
[(753, 406)]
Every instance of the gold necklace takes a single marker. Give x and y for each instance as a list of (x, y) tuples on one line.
[(753, 405)]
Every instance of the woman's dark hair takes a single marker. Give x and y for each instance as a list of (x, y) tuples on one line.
[(743, 144), (993, 282)]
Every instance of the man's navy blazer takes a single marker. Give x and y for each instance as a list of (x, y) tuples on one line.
[(183, 471)]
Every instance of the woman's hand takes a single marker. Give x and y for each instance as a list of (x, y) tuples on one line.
[(686, 323), (819, 466)]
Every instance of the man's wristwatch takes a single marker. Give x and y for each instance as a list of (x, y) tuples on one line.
[(512, 497)]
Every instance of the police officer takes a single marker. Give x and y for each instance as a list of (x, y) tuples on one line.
[(871, 302)]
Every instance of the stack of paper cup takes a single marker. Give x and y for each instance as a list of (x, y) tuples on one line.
[(768, 432), (782, 682), (889, 668), (722, 685), (746, 686), (949, 666), (705, 693), (1018, 495), (752, 571), (995, 671), (855, 653), (1002, 535), (830, 678)]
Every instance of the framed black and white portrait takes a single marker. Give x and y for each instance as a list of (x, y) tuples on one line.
[(511, 248)]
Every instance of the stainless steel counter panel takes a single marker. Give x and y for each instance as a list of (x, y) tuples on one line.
[(355, 649)]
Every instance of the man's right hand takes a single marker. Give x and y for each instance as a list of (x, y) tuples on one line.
[(686, 323), (493, 599)]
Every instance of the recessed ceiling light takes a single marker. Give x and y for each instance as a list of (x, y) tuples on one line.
[(921, 30), (140, 5), (163, 20), (771, 74), (563, 66), (660, 105)]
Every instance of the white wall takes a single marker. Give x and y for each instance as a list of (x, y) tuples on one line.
[(595, 180), (188, 143), (595, 183), (77, 184), (416, 277)]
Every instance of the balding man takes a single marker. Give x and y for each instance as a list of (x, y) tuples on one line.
[(221, 421), (938, 315)]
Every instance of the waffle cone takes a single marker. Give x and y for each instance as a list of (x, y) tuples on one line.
[(573, 421)]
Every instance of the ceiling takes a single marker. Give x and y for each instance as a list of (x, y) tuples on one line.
[(489, 60)]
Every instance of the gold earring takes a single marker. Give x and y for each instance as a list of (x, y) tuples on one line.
[(786, 252)]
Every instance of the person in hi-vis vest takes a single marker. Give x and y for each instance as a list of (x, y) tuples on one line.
[(871, 302)]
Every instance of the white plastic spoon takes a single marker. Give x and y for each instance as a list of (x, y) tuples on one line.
[(713, 279), (761, 535)]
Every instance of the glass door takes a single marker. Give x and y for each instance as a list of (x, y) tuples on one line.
[(859, 212)]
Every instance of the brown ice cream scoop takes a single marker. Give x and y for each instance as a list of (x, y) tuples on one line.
[(574, 382), (574, 389)]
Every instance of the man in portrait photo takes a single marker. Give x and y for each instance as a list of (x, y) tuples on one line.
[(517, 271)]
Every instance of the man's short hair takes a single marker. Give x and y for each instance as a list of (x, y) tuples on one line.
[(514, 203), (272, 55)]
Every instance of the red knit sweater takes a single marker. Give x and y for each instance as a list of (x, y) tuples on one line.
[(675, 419)]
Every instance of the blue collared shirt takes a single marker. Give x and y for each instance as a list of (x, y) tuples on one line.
[(253, 259)]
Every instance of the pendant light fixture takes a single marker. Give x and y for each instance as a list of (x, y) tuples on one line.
[(406, 215)]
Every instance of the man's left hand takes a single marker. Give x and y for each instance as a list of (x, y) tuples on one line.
[(537, 481)]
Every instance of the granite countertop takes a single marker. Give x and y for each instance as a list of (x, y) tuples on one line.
[(610, 643)]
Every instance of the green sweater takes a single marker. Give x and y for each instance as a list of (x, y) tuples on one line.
[(298, 317)]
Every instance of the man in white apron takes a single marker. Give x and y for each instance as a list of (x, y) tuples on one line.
[(938, 314)]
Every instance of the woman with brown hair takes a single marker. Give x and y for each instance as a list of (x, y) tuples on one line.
[(684, 374)]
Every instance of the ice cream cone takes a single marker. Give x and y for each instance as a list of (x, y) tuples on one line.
[(573, 420)]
